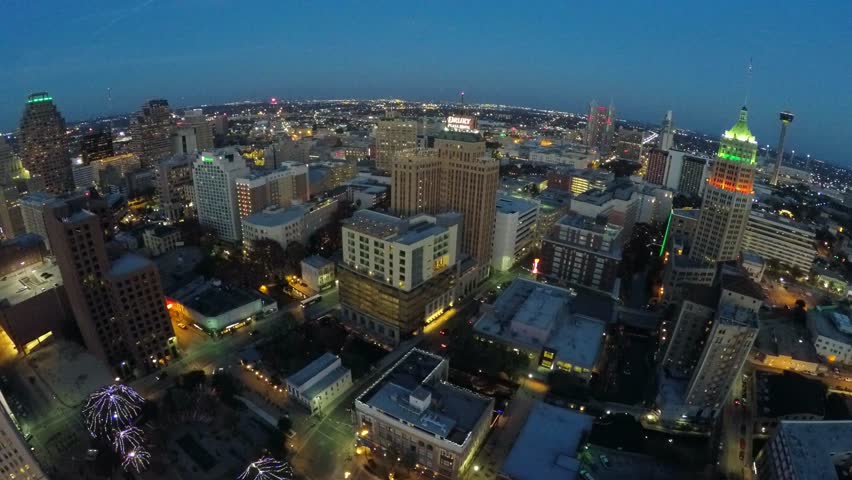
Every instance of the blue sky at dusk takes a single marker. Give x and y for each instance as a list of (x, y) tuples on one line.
[(647, 57)]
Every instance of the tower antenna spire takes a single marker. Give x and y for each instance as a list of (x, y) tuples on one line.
[(748, 80)]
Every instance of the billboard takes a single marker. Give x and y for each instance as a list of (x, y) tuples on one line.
[(461, 124)]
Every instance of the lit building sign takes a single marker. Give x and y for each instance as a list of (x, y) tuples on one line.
[(461, 124), (535, 266), (547, 356)]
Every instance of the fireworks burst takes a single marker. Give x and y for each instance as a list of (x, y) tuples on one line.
[(128, 439), (267, 468), (137, 459), (111, 408)]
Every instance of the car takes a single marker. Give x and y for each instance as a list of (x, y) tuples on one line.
[(604, 460), (443, 331), (182, 326), (585, 475)]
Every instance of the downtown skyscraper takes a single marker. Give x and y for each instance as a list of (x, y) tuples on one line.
[(600, 128), (151, 132), (727, 199), (44, 144)]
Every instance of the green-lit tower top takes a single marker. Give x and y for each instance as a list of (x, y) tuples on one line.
[(738, 144), (39, 97)]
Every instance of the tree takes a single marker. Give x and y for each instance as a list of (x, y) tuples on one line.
[(295, 253)]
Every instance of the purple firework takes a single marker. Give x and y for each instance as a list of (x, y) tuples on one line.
[(267, 468), (126, 440), (137, 459), (111, 408)]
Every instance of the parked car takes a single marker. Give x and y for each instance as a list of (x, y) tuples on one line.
[(604, 461)]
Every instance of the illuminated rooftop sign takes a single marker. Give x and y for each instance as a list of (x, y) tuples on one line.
[(461, 124)]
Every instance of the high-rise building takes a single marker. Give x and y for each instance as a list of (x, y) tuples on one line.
[(11, 219), (728, 343), (214, 176), (469, 181), (584, 251), (33, 208), (279, 188), (396, 274), (16, 456), (600, 128), (667, 133), (10, 165), (394, 135), (693, 318), (774, 237), (193, 133), (151, 132), (514, 231), (693, 176), (95, 145), (119, 307), (174, 187), (807, 449), (44, 144), (656, 167), (416, 183), (728, 196), (578, 181), (629, 145)]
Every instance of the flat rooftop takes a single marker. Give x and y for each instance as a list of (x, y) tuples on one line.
[(212, 300), (28, 282), (547, 445), (813, 444), (788, 393), (330, 379), (507, 204), (822, 320), (687, 213), (317, 261), (731, 314), (129, 263), (575, 337), (452, 413), (374, 223), (312, 369), (782, 336), (276, 217)]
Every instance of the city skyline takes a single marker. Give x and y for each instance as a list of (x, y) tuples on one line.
[(541, 58)]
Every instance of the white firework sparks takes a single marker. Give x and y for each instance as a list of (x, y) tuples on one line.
[(111, 408), (267, 468), (126, 440), (137, 459)]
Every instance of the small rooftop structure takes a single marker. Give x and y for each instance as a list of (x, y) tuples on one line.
[(317, 261), (548, 443)]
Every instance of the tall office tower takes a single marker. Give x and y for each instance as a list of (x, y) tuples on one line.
[(220, 124), (175, 193), (728, 343), (151, 132), (629, 144), (469, 181), (416, 183), (119, 308), (727, 197), (692, 176), (194, 133), (214, 176), (44, 144), (10, 166), (667, 133), (657, 166), (786, 118), (95, 145), (396, 274), (694, 316), (394, 135), (600, 128), (11, 218), (279, 188), (16, 456)]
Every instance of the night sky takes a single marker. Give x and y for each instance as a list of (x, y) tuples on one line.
[(647, 57)]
